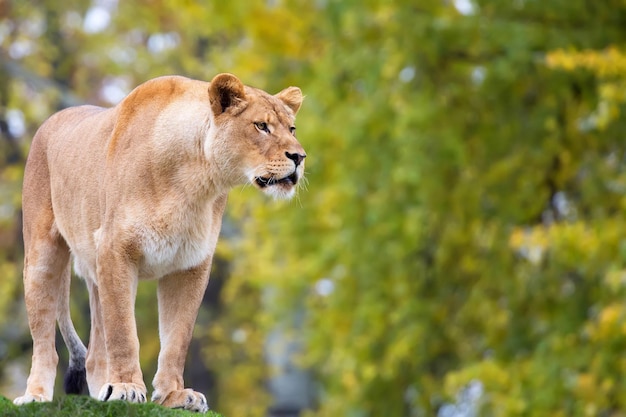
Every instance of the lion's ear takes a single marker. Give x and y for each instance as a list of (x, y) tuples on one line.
[(225, 91), (292, 97)]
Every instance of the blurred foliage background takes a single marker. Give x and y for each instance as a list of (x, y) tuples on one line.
[(460, 247)]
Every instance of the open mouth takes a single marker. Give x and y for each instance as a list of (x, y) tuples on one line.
[(267, 181)]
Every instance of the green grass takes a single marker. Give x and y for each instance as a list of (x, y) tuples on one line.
[(84, 406)]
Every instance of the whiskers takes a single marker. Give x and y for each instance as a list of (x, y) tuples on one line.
[(246, 184), (304, 182)]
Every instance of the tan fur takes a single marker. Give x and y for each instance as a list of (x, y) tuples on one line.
[(137, 192)]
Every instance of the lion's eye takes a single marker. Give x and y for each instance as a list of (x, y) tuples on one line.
[(262, 126), (292, 129)]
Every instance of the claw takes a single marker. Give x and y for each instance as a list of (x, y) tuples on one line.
[(133, 393)]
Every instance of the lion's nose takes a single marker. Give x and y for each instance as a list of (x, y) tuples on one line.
[(296, 157)]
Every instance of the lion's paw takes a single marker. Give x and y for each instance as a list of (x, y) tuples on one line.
[(30, 398), (133, 393), (187, 399)]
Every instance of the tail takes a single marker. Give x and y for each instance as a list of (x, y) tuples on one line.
[(76, 377)]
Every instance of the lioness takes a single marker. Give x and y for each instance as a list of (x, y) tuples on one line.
[(137, 192)]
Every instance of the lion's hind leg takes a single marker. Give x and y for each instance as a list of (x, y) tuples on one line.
[(45, 268), (46, 273)]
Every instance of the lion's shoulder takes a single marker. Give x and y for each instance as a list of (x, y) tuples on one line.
[(161, 91), (169, 100)]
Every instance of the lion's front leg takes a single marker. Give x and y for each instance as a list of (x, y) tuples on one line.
[(180, 295), (117, 288)]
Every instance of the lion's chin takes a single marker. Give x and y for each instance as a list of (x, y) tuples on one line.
[(280, 189)]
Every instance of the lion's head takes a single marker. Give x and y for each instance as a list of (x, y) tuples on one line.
[(254, 135)]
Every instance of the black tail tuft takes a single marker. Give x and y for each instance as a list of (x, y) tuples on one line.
[(75, 381)]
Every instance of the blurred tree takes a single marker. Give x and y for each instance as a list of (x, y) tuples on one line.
[(464, 226), (609, 67)]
